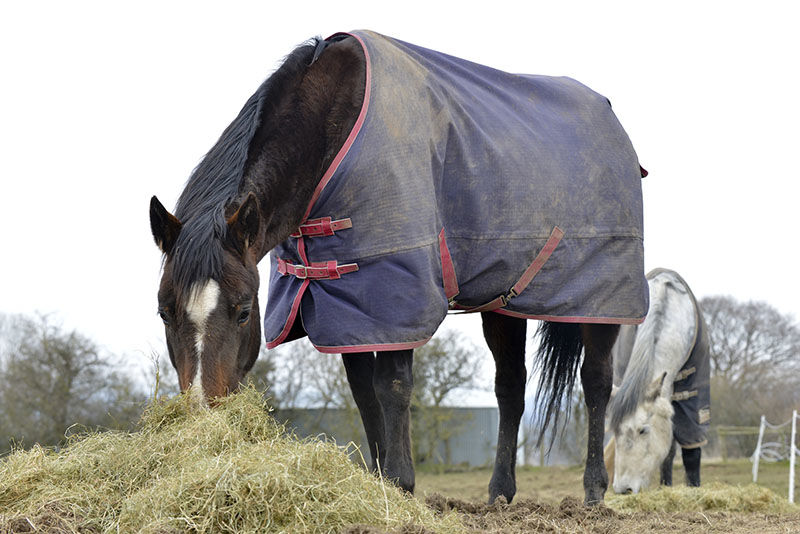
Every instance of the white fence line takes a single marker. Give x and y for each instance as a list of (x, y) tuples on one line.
[(792, 456), (773, 451)]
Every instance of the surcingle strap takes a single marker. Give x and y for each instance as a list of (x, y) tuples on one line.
[(323, 226), (683, 395), (685, 374), (526, 278), (325, 270)]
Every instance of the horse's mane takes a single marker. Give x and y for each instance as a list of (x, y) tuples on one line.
[(197, 254), (639, 373)]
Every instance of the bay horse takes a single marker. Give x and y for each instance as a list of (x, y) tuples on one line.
[(391, 184), (663, 399)]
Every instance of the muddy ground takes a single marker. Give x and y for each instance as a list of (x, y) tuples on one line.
[(550, 500), (571, 516)]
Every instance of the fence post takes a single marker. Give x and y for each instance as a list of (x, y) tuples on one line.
[(723, 447), (757, 453), (793, 453)]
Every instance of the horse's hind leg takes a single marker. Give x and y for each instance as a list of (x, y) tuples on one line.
[(596, 376), (360, 369), (506, 339), (393, 382), (691, 463), (666, 466)]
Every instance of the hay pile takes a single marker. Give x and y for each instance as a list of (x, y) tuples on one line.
[(710, 497), (230, 469)]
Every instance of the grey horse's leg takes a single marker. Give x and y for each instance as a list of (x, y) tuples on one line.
[(596, 376), (666, 466), (691, 463), (360, 369), (393, 382), (506, 339)]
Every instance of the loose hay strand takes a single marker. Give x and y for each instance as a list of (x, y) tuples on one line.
[(230, 469)]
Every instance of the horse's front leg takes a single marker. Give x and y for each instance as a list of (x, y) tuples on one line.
[(691, 463), (597, 376), (506, 339), (393, 382), (360, 369), (666, 466)]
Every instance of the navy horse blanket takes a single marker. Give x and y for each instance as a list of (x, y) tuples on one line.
[(462, 187)]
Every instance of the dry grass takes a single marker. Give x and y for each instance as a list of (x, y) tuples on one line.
[(715, 496), (230, 469)]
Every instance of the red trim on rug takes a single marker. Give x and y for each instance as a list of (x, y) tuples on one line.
[(353, 133), (449, 280), (292, 316), (555, 319), (301, 250), (371, 348)]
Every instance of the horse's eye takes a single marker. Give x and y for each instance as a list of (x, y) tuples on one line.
[(244, 317), (164, 317), (644, 430)]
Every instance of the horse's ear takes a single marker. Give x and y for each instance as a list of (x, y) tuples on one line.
[(164, 225), (655, 388), (243, 225)]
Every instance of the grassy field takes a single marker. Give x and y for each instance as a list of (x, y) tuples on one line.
[(552, 484)]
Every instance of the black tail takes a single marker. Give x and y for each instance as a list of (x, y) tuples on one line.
[(557, 361)]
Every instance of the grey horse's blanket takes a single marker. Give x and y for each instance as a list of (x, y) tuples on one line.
[(457, 186), (691, 396)]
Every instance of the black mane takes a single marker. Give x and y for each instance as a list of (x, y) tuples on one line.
[(215, 182)]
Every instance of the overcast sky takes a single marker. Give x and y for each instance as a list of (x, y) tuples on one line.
[(103, 104)]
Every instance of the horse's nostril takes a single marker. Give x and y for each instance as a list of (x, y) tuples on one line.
[(628, 491)]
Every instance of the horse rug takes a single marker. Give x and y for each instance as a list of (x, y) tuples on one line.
[(462, 187)]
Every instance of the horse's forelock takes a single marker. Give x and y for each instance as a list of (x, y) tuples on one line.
[(198, 252)]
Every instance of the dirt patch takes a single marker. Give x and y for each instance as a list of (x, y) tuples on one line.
[(571, 516)]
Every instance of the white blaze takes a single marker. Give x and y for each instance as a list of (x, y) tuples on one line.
[(203, 298)]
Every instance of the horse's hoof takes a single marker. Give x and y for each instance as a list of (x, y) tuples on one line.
[(497, 490), (499, 500), (594, 497)]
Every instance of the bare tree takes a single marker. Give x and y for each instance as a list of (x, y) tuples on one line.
[(749, 340), (297, 376), (442, 367), (755, 358), (51, 379)]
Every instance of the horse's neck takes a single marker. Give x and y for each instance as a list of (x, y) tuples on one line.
[(300, 137), (675, 337)]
